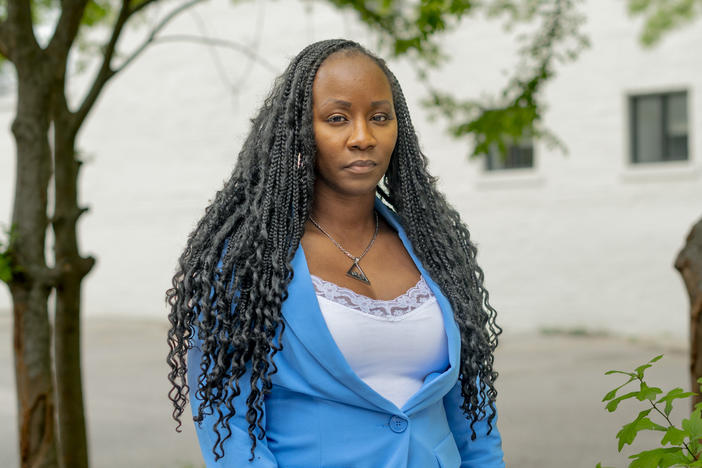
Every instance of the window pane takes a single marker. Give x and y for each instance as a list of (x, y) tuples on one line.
[(518, 156), (494, 159), (677, 114), (524, 156), (648, 133), (677, 148)]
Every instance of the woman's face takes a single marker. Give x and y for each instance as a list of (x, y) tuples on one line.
[(354, 124)]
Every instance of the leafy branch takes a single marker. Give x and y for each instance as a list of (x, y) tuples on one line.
[(684, 440), (663, 16), (518, 112)]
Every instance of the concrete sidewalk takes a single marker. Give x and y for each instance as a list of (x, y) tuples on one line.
[(549, 405)]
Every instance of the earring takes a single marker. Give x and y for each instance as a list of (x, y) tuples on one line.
[(299, 162)]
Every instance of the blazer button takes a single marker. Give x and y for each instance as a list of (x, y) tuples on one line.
[(397, 424)]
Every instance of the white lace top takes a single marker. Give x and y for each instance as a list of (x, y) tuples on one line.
[(392, 309), (391, 345)]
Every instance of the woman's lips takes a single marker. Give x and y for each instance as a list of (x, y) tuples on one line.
[(362, 166)]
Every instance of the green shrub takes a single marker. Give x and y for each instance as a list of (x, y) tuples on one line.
[(680, 445)]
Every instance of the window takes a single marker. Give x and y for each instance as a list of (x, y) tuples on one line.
[(519, 155), (659, 130)]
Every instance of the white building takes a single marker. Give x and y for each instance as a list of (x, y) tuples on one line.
[(578, 242)]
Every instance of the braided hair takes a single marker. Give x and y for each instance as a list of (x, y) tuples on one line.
[(234, 309)]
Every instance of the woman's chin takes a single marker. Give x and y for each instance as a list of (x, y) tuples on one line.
[(349, 188)]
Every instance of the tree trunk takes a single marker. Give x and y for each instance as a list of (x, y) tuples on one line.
[(72, 269), (689, 264), (32, 280)]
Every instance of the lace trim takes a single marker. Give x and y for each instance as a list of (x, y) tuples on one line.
[(401, 305)]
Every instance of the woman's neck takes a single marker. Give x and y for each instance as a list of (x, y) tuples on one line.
[(345, 215)]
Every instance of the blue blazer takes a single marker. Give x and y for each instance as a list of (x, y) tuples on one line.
[(319, 413)]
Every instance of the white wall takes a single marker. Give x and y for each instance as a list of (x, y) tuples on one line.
[(580, 241)]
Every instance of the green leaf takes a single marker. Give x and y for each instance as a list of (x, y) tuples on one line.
[(5, 269), (662, 16), (675, 458), (5, 261), (612, 405), (613, 393), (639, 371), (693, 426), (648, 393), (95, 12), (674, 394), (694, 447), (655, 359), (674, 436), (654, 458), (628, 432), (630, 374)]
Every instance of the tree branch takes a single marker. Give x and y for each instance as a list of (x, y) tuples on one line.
[(152, 36), (66, 27), (142, 5), (18, 31), (106, 71), (218, 42)]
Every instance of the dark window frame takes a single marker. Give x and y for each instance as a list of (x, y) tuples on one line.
[(663, 126), (514, 156)]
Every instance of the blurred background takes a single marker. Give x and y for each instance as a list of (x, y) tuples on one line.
[(577, 231)]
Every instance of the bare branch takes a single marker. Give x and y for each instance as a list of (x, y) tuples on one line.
[(67, 27), (106, 71), (142, 5), (218, 42), (152, 36), (18, 31)]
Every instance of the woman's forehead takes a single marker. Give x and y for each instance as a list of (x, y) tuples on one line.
[(342, 73)]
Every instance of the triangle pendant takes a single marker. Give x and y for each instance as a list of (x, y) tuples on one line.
[(356, 273)]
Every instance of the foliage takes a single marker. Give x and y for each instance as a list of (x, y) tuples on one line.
[(663, 16), (684, 448), (517, 113), (410, 26)]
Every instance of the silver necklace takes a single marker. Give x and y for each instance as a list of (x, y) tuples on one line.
[(355, 271)]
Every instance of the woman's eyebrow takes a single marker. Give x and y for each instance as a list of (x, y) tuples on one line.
[(338, 102), (347, 104), (383, 102)]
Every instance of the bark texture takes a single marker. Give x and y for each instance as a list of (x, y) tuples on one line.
[(41, 102), (689, 264), (72, 269), (32, 279)]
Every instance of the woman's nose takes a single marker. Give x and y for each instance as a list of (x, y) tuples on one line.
[(361, 137)]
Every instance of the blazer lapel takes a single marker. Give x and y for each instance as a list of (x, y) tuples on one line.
[(303, 316), (435, 384)]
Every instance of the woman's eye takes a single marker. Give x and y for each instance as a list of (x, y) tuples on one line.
[(381, 117), (336, 118)]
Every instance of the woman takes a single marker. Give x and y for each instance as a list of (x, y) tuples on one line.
[(312, 325)]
